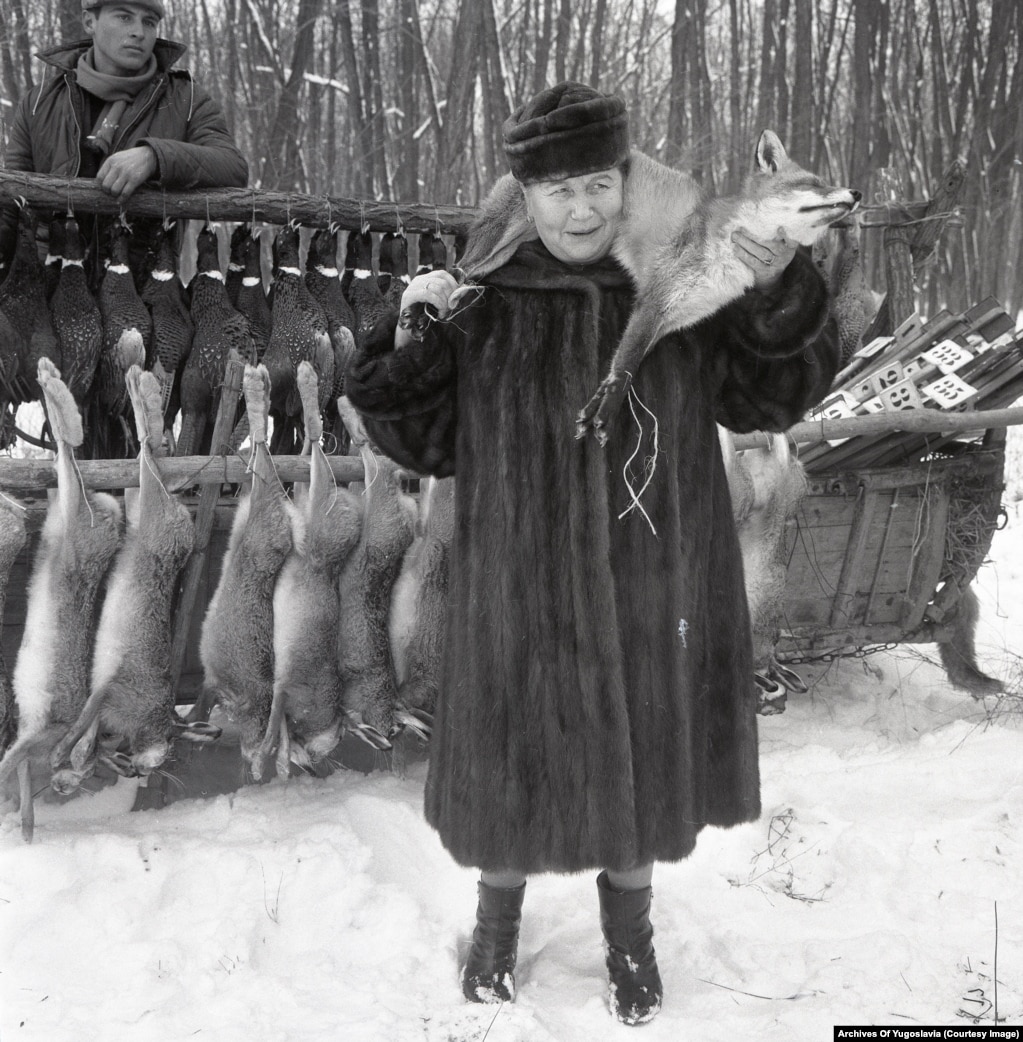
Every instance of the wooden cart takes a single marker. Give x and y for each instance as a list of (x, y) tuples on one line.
[(883, 555)]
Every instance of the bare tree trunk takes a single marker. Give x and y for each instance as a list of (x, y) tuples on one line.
[(361, 174), (860, 150), (460, 92), (373, 95), (678, 122), (801, 133), (597, 42), (281, 166), (21, 42), (70, 13), (735, 94), (543, 49), (406, 167), (425, 68), (562, 41), (767, 107)]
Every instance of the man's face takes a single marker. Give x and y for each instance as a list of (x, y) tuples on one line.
[(123, 37)]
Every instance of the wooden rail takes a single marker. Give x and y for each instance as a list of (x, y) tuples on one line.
[(237, 204), (178, 472), (257, 204)]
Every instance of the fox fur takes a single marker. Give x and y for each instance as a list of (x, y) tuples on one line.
[(675, 242)]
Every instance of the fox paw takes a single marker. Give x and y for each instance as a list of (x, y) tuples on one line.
[(603, 407)]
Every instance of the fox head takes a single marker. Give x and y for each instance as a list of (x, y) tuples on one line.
[(787, 196)]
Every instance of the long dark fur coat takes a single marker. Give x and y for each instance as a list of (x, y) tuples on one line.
[(597, 707)]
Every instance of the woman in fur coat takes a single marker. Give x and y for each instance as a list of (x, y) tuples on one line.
[(598, 706)]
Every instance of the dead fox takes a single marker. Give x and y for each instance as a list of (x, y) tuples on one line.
[(675, 243), (678, 248)]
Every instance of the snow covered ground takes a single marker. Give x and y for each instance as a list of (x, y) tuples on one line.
[(325, 909)]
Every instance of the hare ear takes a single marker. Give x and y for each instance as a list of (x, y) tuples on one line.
[(770, 152)]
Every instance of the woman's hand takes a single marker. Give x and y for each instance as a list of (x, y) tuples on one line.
[(434, 290), (767, 259)]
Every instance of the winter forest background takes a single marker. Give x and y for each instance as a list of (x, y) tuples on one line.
[(403, 99)]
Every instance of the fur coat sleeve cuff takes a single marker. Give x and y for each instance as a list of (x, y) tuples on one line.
[(781, 321), (776, 354), (406, 398)]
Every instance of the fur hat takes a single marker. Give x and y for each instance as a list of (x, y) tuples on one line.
[(156, 6), (564, 131)]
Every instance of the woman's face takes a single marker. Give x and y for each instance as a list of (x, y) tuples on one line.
[(577, 217)]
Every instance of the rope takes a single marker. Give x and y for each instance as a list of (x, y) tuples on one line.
[(649, 464)]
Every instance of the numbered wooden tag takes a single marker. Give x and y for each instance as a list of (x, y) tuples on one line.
[(909, 329), (901, 396), (889, 376), (836, 406), (875, 347), (948, 356), (949, 391), (872, 405), (915, 366)]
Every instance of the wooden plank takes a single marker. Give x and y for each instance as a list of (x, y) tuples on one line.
[(842, 602), (928, 560)]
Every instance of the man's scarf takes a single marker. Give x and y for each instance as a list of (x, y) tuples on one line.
[(116, 91)]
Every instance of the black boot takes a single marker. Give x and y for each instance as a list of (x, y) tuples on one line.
[(634, 985), (489, 971)]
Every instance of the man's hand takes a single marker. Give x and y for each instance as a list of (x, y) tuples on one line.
[(766, 259), (122, 172)]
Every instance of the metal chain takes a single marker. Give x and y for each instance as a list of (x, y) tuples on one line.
[(837, 653)]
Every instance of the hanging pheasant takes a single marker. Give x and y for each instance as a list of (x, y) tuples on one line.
[(23, 301), (220, 331), (368, 303), (127, 335), (54, 255), (236, 263), (299, 333), (76, 315), (394, 260), (251, 299), (173, 328), (324, 283), (433, 253)]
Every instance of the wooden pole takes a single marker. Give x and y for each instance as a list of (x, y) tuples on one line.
[(811, 432), (921, 231), (236, 204), (178, 472)]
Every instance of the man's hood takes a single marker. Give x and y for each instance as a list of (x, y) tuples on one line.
[(65, 56)]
